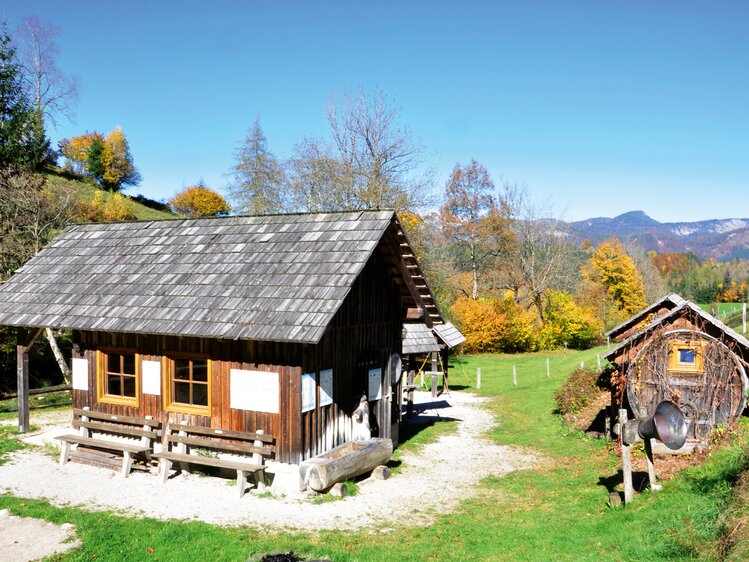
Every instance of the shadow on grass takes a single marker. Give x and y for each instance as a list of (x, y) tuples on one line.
[(410, 428), (615, 482)]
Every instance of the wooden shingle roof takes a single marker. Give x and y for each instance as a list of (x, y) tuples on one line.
[(270, 278), (418, 339), (687, 307), (449, 334)]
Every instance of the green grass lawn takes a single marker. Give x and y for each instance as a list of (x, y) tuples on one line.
[(557, 511)]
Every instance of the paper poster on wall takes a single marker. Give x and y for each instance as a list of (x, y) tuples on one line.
[(151, 375), (80, 374), (309, 386), (253, 390), (375, 385), (326, 387)]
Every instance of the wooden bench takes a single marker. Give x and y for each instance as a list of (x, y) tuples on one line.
[(247, 450), (124, 431)]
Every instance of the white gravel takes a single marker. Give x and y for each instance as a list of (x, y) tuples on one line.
[(432, 481)]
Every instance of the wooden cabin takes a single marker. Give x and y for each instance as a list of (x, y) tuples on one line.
[(276, 323), (675, 351)]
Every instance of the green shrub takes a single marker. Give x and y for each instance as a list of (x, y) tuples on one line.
[(580, 388)]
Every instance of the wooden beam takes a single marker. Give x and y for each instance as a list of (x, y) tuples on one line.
[(26, 339)]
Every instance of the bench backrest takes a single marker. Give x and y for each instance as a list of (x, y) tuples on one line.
[(127, 426), (235, 442)]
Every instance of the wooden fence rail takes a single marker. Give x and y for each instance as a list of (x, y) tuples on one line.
[(47, 390)]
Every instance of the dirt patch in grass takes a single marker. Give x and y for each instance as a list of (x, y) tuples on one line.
[(25, 538)]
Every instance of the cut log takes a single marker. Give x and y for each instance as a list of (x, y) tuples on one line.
[(345, 461), (381, 472), (339, 489)]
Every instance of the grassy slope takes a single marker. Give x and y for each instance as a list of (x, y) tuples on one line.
[(87, 189), (557, 511)]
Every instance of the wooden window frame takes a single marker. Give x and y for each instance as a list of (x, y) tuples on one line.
[(168, 380), (676, 366), (102, 354)]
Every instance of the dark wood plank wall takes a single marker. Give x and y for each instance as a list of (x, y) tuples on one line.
[(364, 332)]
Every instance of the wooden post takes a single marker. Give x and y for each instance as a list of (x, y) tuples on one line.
[(435, 369), (582, 364), (608, 342), (626, 462), (598, 357), (478, 377), (548, 370), (514, 376), (25, 340), (651, 467), (743, 316), (410, 399), (257, 458)]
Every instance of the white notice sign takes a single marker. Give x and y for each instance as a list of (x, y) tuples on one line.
[(253, 390), (326, 387), (151, 376), (80, 374), (308, 392), (375, 385)]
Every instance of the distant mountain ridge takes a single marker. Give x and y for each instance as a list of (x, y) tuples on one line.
[(721, 239)]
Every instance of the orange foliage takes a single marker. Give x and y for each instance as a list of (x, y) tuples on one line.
[(199, 201), (481, 323), (671, 263)]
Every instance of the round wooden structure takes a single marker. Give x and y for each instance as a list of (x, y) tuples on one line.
[(695, 371)]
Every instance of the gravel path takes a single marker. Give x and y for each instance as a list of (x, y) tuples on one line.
[(432, 481)]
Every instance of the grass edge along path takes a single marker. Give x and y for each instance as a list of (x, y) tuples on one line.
[(556, 511)]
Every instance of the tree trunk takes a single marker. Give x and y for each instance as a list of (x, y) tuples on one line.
[(64, 368)]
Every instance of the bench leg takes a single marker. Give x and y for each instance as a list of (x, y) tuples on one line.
[(127, 463), (64, 452), (165, 466), (260, 479), (241, 482)]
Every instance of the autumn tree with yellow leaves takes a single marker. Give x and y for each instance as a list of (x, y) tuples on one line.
[(106, 159), (199, 201), (611, 273)]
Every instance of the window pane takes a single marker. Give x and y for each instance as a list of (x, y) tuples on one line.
[(114, 385), (182, 392), (182, 369), (200, 394), (686, 356), (128, 360), (200, 370), (113, 362), (128, 386)]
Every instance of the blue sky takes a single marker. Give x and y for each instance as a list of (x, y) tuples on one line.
[(597, 107)]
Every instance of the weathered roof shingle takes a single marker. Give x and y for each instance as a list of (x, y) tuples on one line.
[(273, 278)]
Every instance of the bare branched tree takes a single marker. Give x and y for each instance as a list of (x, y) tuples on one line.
[(474, 222), (371, 162), (652, 281), (53, 92), (540, 259), (31, 212)]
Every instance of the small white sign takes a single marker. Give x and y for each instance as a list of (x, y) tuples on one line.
[(326, 387), (80, 374), (256, 391), (151, 376), (309, 387), (375, 385)]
